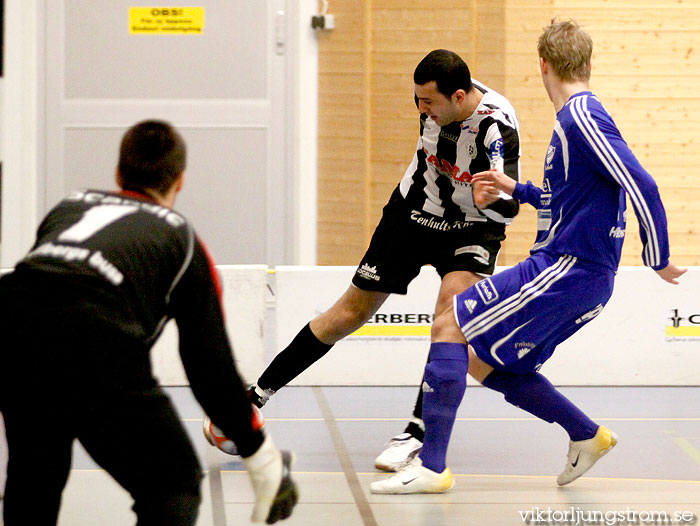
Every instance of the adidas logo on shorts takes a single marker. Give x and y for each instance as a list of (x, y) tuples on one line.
[(470, 304), (426, 388)]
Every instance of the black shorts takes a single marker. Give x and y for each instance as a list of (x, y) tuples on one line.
[(408, 238)]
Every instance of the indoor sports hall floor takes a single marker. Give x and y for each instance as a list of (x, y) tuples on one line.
[(505, 463)]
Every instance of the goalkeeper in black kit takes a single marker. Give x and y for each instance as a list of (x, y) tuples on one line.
[(80, 314)]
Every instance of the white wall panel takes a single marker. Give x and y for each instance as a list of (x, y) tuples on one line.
[(633, 341), (245, 293), (648, 334), (228, 60)]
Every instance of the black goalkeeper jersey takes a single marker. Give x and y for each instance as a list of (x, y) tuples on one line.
[(139, 259), (117, 267)]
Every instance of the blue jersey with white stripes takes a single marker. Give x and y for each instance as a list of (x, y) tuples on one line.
[(581, 207)]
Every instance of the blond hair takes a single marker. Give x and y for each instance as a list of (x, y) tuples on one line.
[(567, 48)]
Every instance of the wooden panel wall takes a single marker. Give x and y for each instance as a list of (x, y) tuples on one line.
[(343, 136), (645, 69)]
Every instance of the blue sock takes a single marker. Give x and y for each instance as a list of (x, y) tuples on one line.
[(444, 383), (536, 395)]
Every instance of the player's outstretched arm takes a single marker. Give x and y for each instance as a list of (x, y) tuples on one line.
[(487, 187), (484, 193), (671, 272), (498, 179)]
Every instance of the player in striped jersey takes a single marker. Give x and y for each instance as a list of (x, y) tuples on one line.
[(430, 218), (514, 320)]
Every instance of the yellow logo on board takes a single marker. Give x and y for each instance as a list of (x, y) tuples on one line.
[(393, 330), (682, 331)]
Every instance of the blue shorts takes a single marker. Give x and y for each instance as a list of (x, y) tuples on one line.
[(516, 318)]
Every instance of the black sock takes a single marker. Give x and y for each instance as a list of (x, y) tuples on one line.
[(304, 350), (415, 431), (418, 409), (413, 428)]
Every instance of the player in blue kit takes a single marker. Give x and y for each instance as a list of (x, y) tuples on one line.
[(506, 326)]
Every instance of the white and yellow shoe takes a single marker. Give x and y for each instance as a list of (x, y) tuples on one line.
[(414, 478), (584, 453)]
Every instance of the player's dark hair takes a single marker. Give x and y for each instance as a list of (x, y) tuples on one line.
[(447, 69), (152, 155)]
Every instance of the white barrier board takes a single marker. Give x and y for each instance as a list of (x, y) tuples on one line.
[(244, 298), (633, 342), (648, 334), (389, 350)]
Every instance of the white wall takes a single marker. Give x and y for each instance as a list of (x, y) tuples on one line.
[(20, 129), (22, 126), (305, 136), (245, 300)]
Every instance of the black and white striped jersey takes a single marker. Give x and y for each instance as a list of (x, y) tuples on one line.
[(438, 180)]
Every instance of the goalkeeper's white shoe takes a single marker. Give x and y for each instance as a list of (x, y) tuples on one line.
[(584, 453), (414, 478), (399, 450)]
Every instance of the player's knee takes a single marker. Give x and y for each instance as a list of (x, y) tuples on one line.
[(445, 328), (444, 376), (176, 506), (349, 313), (355, 316), (512, 386), (338, 323), (443, 388), (446, 373)]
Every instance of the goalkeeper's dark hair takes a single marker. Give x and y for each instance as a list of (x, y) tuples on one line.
[(151, 157), (447, 69)]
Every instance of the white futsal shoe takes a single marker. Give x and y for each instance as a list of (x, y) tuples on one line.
[(584, 453), (414, 478), (399, 450)]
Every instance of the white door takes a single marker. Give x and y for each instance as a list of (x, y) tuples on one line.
[(223, 87)]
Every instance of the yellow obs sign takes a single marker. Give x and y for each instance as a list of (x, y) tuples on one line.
[(166, 20)]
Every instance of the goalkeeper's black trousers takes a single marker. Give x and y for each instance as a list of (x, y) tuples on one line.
[(58, 385), (138, 439)]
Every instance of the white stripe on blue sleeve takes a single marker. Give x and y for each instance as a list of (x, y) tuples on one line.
[(618, 170)]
